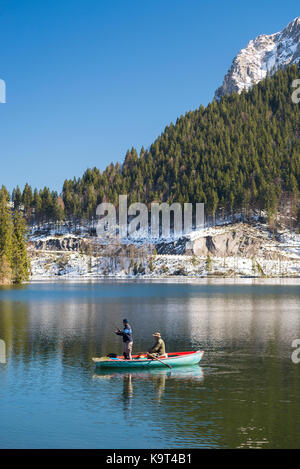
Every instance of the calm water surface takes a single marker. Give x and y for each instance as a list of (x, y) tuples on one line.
[(245, 394)]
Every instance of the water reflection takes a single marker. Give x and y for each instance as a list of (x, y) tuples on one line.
[(51, 394), (158, 377), (154, 382), (200, 317)]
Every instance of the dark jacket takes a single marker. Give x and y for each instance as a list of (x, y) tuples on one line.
[(126, 333)]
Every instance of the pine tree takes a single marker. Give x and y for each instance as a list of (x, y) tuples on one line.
[(27, 199), (6, 239), (17, 197), (4, 194), (20, 259), (208, 263), (59, 209)]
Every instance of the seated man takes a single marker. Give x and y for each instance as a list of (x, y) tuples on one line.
[(158, 349)]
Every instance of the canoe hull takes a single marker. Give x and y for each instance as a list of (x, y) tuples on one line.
[(180, 359)]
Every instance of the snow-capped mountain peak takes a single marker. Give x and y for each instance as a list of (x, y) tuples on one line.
[(262, 56)]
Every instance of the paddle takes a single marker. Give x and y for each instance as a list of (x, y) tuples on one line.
[(166, 364)]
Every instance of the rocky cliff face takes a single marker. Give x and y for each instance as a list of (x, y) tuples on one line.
[(262, 56), (236, 241)]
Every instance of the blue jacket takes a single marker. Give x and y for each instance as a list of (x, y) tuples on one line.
[(126, 333)]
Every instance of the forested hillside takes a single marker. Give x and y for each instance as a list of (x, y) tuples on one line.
[(240, 153)]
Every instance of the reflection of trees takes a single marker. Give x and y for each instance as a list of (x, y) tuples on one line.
[(73, 332), (14, 327)]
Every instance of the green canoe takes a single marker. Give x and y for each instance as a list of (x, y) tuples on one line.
[(172, 359)]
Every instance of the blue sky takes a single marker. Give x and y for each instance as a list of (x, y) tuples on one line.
[(88, 79)]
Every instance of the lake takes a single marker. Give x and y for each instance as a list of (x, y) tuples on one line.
[(244, 395)]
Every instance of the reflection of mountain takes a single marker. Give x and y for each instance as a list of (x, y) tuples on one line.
[(189, 316), (236, 315)]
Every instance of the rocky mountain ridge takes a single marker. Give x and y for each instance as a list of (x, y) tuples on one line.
[(261, 57)]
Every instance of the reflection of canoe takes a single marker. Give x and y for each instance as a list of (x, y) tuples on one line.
[(186, 373), (173, 359)]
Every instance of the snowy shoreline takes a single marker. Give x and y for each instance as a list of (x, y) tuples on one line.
[(191, 280), (237, 250)]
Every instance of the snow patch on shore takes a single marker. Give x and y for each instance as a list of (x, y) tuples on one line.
[(279, 257)]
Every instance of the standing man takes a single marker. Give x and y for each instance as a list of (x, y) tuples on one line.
[(127, 339)]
